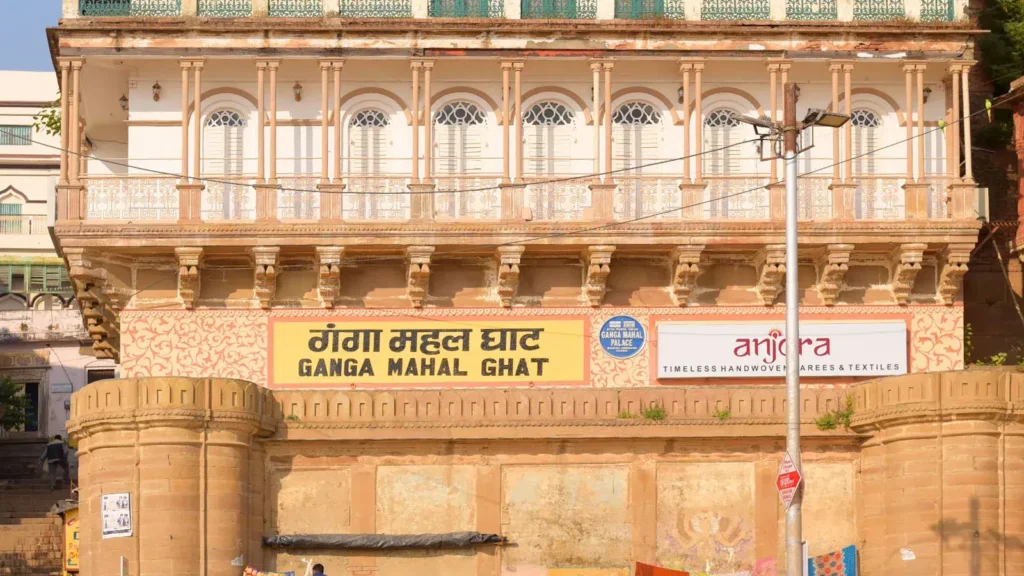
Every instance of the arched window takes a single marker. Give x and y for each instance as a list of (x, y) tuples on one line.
[(223, 144), (636, 136), (550, 134), (866, 126), (459, 131), (721, 132), (368, 141)]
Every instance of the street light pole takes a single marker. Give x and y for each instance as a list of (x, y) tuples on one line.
[(794, 518)]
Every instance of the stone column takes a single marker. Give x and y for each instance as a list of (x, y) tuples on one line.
[(65, 86), (428, 122), (962, 191), (598, 113), (421, 190), (266, 195), (70, 190), (692, 192), (844, 191), (602, 192), (965, 73), (76, 121), (511, 192), (955, 125), (776, 187), (182, 449), (517, 68), (916, 187), (773, 70), (261, 159), (698, 117), (189, 190), (197, 127), (330, 191)]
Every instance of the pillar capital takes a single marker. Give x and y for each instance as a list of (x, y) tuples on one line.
[(689, 63), (185, 63), (909, 65), (422, 63), (198, 64)]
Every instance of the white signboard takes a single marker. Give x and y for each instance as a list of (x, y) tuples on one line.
[(117, 515), (758, 349)]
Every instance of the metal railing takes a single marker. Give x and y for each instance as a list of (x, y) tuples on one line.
[(22, 224), (131, 198), (142, 8), (476, 197)]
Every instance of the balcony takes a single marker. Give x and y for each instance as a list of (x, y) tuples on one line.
[(711, 10), (481, 198), (16, 225)]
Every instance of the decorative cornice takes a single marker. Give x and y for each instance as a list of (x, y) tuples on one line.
[(418, 276), (771, 266), (832, 268), (686, 262), (598, 261), (906, 264), (953, 261), (509, 258)]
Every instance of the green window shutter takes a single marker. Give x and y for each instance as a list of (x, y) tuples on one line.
[(36, 278), (5, 278)]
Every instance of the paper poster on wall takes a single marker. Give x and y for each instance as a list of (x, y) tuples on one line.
[(117, 515)]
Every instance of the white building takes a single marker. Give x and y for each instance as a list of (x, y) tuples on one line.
[(41, 332)]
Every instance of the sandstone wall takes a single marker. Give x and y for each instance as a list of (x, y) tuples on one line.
[(932, 464)]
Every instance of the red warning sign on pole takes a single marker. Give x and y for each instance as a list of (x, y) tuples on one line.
[(788, 480)]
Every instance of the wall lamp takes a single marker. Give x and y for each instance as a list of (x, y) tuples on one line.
[(123, 101), (297, 89), (156, 91)]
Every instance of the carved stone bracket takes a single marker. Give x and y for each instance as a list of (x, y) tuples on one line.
[(686, 267), (265, 276), (771, 266), (953, 261), (598, 260), (188, 275), (509, 258), (419, 273), (92, 291), (329, 278), (832, 268), (906, 262)]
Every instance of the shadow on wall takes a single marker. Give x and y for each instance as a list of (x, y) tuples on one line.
[(970, 536)]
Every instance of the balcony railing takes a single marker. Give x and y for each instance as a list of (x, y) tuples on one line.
[(650, 9), (383, 197), (468, 198), (131, 198), (376, 198), (467, 8), (296, 8), (558, 201), (140, 8), (22, 224), (559, 9), (735, 10), (376, 9), (737, 198), (812, 10), (224, 8)]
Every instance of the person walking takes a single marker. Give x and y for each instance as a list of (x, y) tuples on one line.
[(56, 455)]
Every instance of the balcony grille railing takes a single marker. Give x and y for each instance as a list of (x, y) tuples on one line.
[(467, 8), (468, 198), (937, 11), (815, 198), (378, 197), (878, 9), (228, 198), (737, 198), (639, 9), (224, 8), (298, 198), (22, 224), (639, 197), (376, 9), (112, 198), (880, 198), (812, 10), (296, 8), (735, 10), (559, 201), (560, 9), (129, 8)]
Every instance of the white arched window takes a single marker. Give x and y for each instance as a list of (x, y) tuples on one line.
[(636, 136), (550, 136), (368, 141), (721, 132), (223, 150), (866, 126), (459, 131)]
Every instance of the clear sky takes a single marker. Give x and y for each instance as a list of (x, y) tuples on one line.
[(23, 25)]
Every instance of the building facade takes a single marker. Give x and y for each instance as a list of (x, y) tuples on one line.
[(514, 235), (41, 329)]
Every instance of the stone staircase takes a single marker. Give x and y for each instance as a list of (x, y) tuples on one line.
[(31, 539)]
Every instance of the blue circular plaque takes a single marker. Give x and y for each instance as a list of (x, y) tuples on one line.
[(623, 337)]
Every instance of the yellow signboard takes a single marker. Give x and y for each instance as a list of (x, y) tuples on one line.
[(427, 351), (71, 540)]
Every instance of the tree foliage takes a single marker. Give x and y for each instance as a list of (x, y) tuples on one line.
[(48, 119), (13, 405)]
